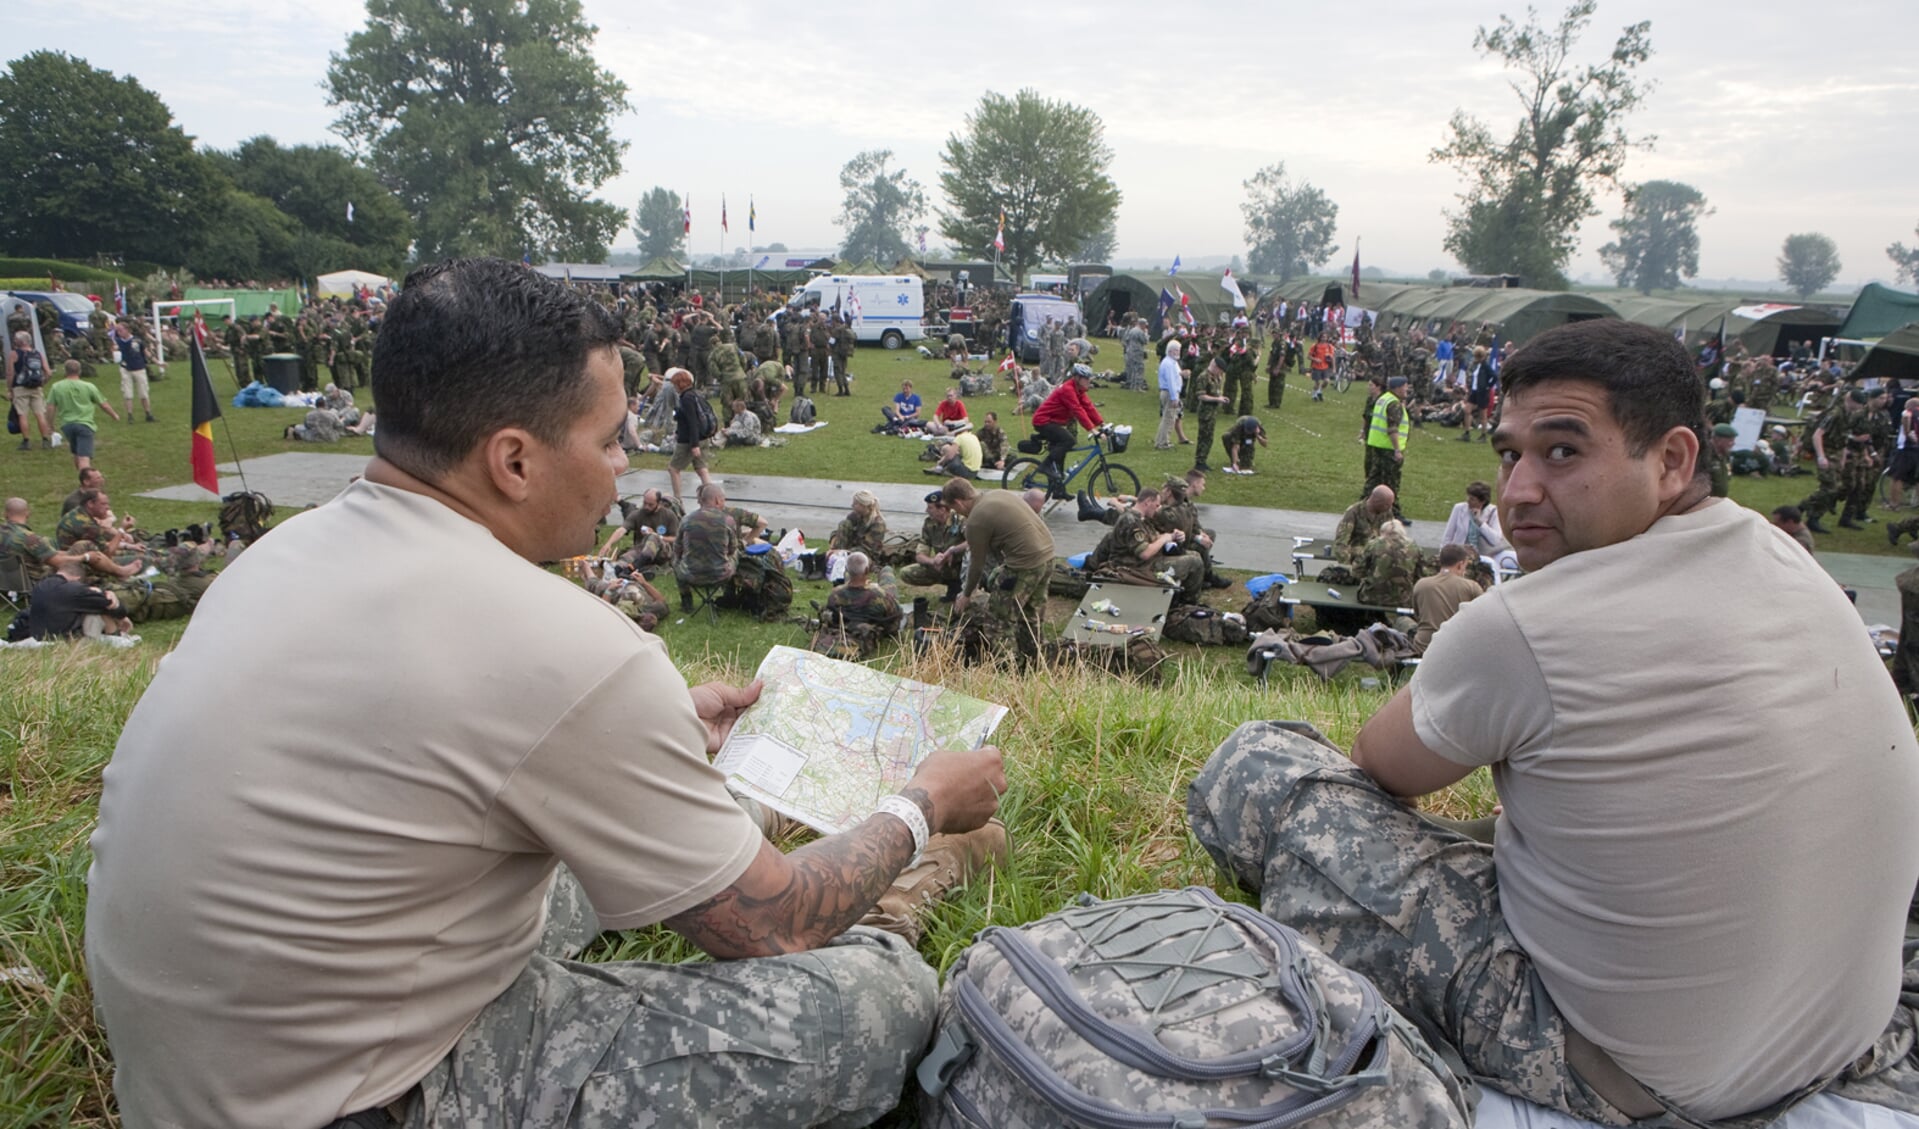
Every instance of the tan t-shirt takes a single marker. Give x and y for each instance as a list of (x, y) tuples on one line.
[(328, 829), (1004, 530), (1708, 844), (1436, 599)]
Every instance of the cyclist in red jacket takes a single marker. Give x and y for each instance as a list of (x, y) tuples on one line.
[(1053, 421)]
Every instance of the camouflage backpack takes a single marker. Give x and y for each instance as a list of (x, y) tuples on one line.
[(245, 515), (1191, 623), (1173, 1009), (761, 586), (976, 384), (1267, 611)]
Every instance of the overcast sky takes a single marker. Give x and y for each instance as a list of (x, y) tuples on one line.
[(1788, 118)]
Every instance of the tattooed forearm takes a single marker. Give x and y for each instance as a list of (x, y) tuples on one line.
[(791, 903)]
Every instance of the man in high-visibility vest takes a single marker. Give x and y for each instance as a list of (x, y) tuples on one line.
[(1386, 438)]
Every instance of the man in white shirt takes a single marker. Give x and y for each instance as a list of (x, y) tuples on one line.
[(1171, 384), (1698, 889)]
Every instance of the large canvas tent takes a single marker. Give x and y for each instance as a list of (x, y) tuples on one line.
[(1895, 356), (656, 270), (346, 283), (1136, 293), (1768, 328), (1517, 313), (1877, 311)]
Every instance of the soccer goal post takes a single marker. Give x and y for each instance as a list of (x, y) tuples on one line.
[(233, 309)]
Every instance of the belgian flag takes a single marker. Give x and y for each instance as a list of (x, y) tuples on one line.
[(206, 409)]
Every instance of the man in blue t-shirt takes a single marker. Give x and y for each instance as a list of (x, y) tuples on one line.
[(905, 407), (132, 352)]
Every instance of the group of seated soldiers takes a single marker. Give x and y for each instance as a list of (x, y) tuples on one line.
[(148, 576)]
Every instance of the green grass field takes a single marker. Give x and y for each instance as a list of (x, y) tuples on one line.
[(1098, 765)]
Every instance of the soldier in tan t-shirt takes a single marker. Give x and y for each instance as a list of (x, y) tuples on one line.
[(1437, 598), (1696, 897), (303, 914)]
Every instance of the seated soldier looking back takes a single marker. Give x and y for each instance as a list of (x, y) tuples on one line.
[(1698, 889)]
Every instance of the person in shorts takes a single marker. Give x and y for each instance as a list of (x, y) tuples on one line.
[(686, 445), (73, 400), (26, 372), (132, 354)]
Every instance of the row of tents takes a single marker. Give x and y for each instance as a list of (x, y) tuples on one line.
[(1771, 328)]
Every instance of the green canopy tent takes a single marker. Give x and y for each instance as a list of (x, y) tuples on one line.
[(1137, 293), (1768, 328), (1517, 313), (1896, 356), (657, 270), (1877, 311)]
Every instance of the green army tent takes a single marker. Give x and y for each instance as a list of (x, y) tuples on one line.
[(1896, 355), (1877, 311), (1517, 313), (657, 270), (1137, 293)]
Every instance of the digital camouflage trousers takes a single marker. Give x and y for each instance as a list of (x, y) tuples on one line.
[(1414, 907), (816, 1038)]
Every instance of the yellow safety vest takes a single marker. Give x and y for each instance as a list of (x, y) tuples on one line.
[(1378, 435)]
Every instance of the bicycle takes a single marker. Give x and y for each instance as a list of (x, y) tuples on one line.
[(1342, 370), (1106, 479)]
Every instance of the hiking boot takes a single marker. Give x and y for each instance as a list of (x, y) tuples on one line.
[(686, 600), (150, 418), (1466, 436), (1812, 523), (26, 444), (1218, 581), (1892, 535), (1089, 510), (945, 865)]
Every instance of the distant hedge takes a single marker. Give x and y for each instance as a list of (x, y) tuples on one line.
[(38, 269)]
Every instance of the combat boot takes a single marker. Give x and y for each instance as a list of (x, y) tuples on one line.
[(1812, 523), (1089, 510), (945, 865)]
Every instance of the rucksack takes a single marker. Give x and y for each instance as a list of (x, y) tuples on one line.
[(760, 585), (1268, 611), (705, 424), (1172, 1009), (244, 515), (976, 384), (1192, 623), (29, 373), (802, 412)]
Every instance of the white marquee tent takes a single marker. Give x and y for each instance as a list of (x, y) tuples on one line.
[(345, 283)]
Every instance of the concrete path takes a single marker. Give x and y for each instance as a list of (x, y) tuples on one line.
[(1251, 537)]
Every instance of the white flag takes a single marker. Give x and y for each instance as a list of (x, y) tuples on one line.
[(349, 211), (1232, 287)]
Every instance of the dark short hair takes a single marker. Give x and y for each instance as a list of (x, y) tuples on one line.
[(1452, 553), (957, 490), (1651, 385), (471, 346), (1788, 513), (1479, 490)]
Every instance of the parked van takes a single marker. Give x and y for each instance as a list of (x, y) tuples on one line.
[(1028, 316), (886, 308), (74, 309)]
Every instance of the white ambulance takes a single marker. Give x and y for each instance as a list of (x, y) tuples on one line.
[(886, 308)]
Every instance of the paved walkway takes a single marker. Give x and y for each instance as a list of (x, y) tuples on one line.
[(1251, 537)]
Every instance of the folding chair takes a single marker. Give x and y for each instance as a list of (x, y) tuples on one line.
[(13, 586), (697, 598)]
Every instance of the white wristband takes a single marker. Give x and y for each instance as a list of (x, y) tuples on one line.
[(909, 813)]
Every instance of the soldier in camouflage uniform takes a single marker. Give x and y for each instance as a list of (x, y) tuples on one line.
[(1832, 445), (707, 550), (1137, 551), (940, 556), (723, 363), (1866, 453), (863, 528), (860, 614), (33, 554), (1179, 509), (1388, 568), (819, 350), (1209, 396), (234, 337), (1239, 360), (256, 346), (1010, 555)]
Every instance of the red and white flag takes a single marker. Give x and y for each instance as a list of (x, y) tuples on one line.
[(1185, 308), (686, 219), (200, 328), (999, 236)]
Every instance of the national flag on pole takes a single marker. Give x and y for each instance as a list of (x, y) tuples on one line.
[(853, 303), (200, 327), (1165, 303), (1174, 269), (1185, 308), (119, 298), (999, 236), (1232, 287), (349, 211), (723, 226), (206, 409), (922, 241), (1679, 334), (752, 215), (526, 258), (1354, 296), (686, 218)]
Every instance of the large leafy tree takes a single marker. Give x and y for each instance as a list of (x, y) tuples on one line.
[(94, 164), (659, 224), (490, 120), (880, 206), (1658, 236), (1808, 262), (1039, 162), (313, 185), (1528, 192), (1905, 261), (1289, 226)]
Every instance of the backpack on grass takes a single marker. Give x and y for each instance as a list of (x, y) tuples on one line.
[(802, 411), (1173, 1009), (1191, 623)]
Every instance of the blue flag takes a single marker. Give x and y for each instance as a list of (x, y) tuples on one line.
[(1175, 269), (1165, 304)]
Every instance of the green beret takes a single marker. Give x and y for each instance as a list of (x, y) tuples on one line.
[(1724, 431), (1857, 395)]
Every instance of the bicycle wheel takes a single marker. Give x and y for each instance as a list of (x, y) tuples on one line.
[(1111, 480), (1342, 378), (1023, 474)]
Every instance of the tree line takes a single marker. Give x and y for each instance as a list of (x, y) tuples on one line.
[(483, 127)]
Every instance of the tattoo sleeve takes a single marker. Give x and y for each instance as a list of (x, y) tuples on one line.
[(791, 903)]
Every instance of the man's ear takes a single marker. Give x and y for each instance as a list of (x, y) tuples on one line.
[(1678, 454), (506, 458)]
